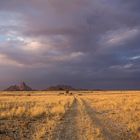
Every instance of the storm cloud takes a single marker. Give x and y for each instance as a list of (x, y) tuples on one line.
[(83, 43)]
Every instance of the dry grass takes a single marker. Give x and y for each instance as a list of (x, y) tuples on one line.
[(41, 113), (32, 106), (118, 113), (102, 115)]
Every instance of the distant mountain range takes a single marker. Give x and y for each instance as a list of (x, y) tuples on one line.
[(24, 87)]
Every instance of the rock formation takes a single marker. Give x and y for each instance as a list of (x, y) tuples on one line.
[(21, 87)]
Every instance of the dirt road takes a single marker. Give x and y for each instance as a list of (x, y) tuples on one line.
[(78, 124), (81, 123)]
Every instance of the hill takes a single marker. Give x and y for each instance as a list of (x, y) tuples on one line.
[(60, 87), (21, 87)]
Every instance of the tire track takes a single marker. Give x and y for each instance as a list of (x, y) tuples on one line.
[(97, 124), (84, 125), (105, 131), (66, 130)]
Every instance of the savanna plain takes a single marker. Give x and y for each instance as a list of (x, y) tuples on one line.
[(81, 115)]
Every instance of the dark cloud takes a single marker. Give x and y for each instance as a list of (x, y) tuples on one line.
[(84, 43)]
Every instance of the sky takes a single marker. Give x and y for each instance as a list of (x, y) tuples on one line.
[(82, 43)]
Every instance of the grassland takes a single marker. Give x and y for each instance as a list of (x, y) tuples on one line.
[(85, 115)]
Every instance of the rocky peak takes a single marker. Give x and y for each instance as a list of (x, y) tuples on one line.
[(21, 87)]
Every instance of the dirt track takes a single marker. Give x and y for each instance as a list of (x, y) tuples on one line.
[(81, 123), (66, 130), (78, 124)]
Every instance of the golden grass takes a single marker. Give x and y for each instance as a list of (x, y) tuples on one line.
[(118, 111), (32, 106), (99, 115), (41, 112)]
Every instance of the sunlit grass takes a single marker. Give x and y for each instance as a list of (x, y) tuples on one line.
[(32, 106), (118, 111), (36, 116)]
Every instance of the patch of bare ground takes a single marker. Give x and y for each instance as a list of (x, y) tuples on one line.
[(15, 129), (108, 129)]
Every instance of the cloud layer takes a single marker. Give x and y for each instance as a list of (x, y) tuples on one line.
[(84, 43)]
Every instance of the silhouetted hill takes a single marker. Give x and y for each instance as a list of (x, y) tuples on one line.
[(60, 87), (21, 87), (12, 88)]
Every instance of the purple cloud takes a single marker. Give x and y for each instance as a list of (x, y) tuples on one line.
[(84, 43)]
